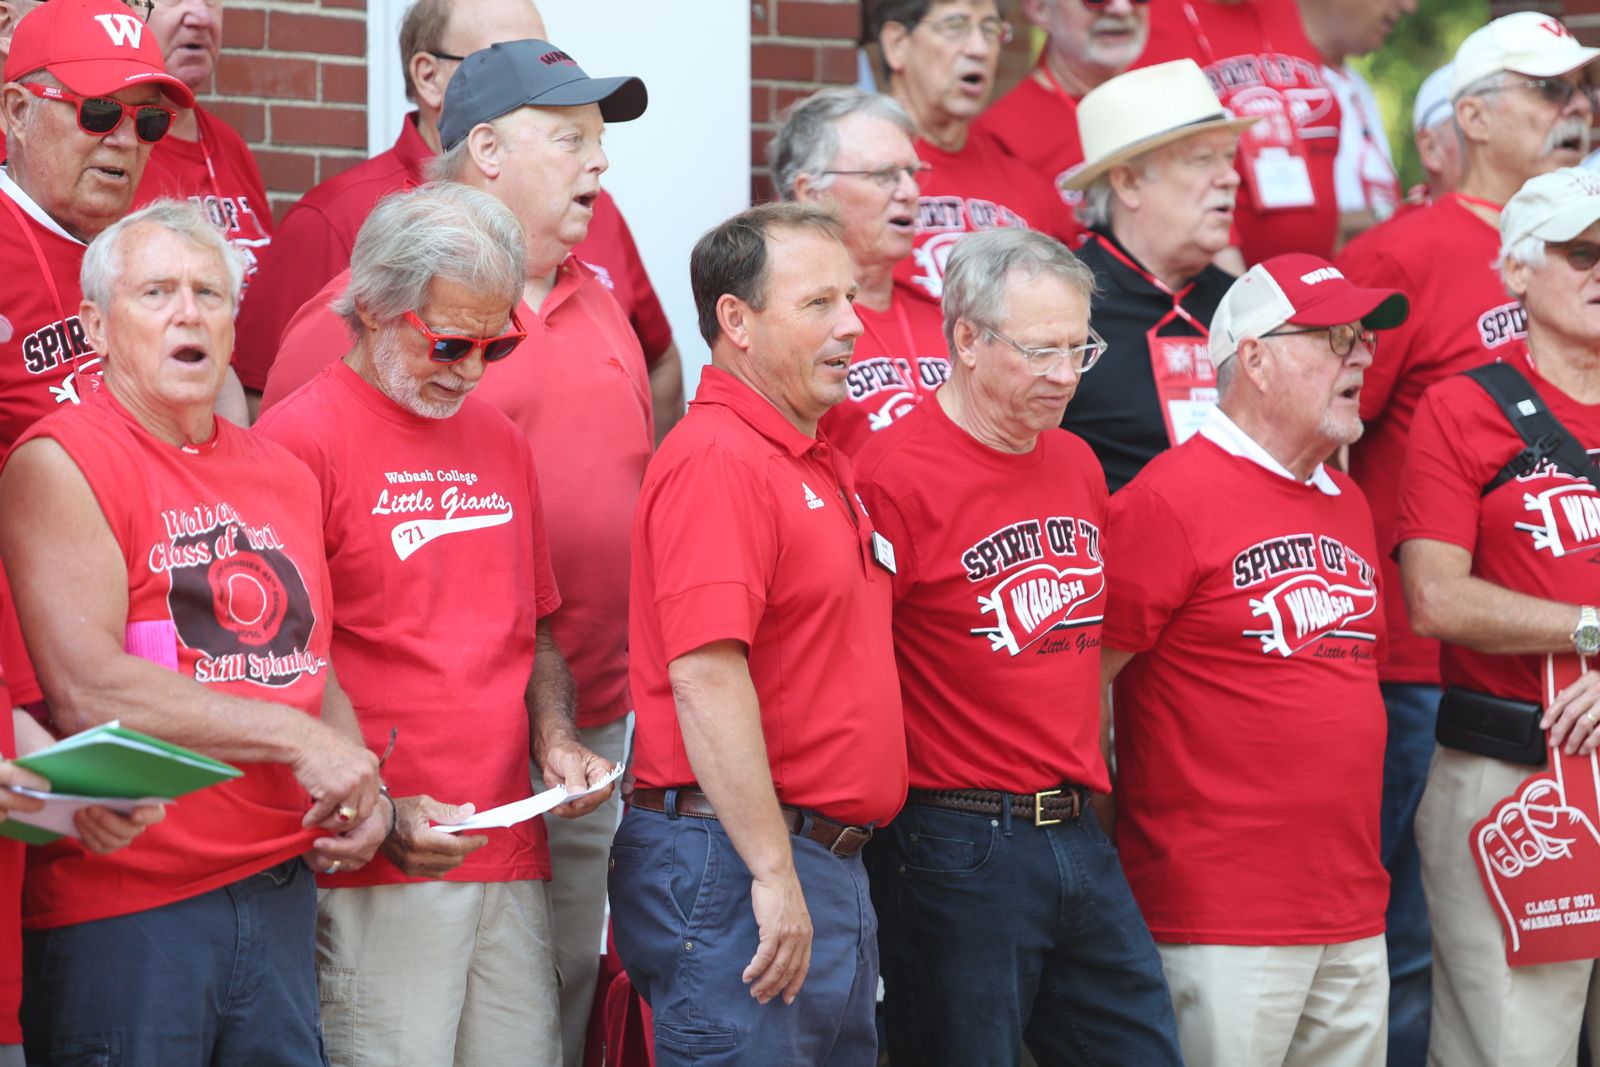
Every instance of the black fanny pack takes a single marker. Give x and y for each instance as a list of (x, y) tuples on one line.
[(1492, 726)]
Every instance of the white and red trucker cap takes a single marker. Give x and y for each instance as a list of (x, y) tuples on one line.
[(1302, 289), (94, 47)]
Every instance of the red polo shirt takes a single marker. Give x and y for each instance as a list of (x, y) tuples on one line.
[(313, 244), (579, 389), (10, 899), (749, 530)]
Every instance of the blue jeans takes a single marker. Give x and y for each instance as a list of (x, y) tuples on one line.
[(995, 932), (681, 918), (1413, 713), (223, 978)]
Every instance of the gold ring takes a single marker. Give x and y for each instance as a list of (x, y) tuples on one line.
[(1588, 717), (346, 813)]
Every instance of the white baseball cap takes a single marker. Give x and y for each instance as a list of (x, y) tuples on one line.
[(1432, 105), (1525, 42), (1553, 207), (1302, 288)]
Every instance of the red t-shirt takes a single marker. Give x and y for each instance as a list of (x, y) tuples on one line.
[(218, 173), (1037, 123), (11, 861), (1250, 730), (1538, 534), (1442, 257), (977, 188), (899, 361), (393, 484), (998, 594), (749, 530), (224, 550), (579, 389), (314, 241), (42, 345), (1259, 61)]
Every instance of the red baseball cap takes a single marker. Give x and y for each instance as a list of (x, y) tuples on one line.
[(94, 47), (1298, 288)]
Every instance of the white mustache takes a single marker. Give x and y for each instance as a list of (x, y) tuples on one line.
[(1566, 130)]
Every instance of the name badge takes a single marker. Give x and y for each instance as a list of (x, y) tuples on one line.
[(883, 552), (1282, 179)]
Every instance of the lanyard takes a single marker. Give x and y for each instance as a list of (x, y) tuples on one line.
[(910, 351), (1204, 42), (1478, 201), (211, 169), (1052, 84), (1178, 310), (24, 224)]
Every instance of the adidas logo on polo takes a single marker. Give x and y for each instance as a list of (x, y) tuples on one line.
[(813, 501)]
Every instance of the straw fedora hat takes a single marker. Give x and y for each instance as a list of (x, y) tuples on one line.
[(1144, 109)]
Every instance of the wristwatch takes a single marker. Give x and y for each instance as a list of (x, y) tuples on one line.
[(1586, 638)]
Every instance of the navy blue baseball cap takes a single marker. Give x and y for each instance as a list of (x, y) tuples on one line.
[(503, 77)]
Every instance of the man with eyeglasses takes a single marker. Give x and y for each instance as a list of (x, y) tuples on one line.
[(852, 152), (313, 242), (1511, 597), (1088, 43), (940, 59), (1242, 631), (524, 123), (1004, 918), (428, 491), (203, 158), (1519, 111), (1262, 65)]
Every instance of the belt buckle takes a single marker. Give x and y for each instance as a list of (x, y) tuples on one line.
[(861, 833), (1038, 807)]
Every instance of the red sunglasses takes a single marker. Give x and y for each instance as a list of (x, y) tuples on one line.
[(452, 348), (1096, 5), (98, 116)]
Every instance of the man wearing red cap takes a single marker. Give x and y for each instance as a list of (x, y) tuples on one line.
[(203, 158), (1243, 624)]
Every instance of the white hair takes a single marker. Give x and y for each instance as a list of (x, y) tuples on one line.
[(808, 141), (104, 259), (1094, 210)]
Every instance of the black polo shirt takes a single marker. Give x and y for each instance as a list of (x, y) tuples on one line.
[(1116, 408)]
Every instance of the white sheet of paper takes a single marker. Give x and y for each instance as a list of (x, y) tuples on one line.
[(525, 809), (59, 809)]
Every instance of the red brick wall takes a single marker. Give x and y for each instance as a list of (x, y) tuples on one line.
[(293, 81), (796, 47)]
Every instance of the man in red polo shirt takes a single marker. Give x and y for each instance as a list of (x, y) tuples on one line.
[(769, 732), (582, 399), (996, 515), (1262, 65), (1088, 44), (940, 57), (313, 243), (852, 152), (1519, 112), (202, 158), (1243, 625)]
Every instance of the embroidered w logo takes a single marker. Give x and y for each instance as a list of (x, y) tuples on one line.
[(122, 29)]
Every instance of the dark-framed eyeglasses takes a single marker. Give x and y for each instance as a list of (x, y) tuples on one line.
[(1044, 361), (1581, 256), (142, 8), (453, 348), (1554, 91), (1342, 339), (99, 116), (995, 30), (447, 55), (888, 177)]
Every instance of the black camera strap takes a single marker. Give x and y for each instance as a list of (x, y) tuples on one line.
[(1545, 440)]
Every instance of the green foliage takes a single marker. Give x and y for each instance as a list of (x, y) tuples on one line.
[(1420, 44)]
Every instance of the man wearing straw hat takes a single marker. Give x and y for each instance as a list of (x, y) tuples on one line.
[(1158, 192)]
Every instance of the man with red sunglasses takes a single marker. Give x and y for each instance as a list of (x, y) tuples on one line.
[(1090, 42), (428, 491)]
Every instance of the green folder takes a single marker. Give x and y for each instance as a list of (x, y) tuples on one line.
[(112, 761)]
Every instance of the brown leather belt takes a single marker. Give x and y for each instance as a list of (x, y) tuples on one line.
[(837, 838), (1046, 807)]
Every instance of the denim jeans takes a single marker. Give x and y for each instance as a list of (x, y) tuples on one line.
[(995, 932), (219, 979), (1413, 713), (682, 925)]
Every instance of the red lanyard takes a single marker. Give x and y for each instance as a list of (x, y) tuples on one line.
[(905, 332), (1178, 310), (1478, 201), (1204, 42), (25, 225), (1054, 85)]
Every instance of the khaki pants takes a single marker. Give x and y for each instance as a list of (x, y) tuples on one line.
[(579, 852), (1280, 1005), (438, 973), (1484, 1011)]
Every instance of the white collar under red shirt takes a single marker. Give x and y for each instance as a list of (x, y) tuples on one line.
[(1226, 435), (25, 202)]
